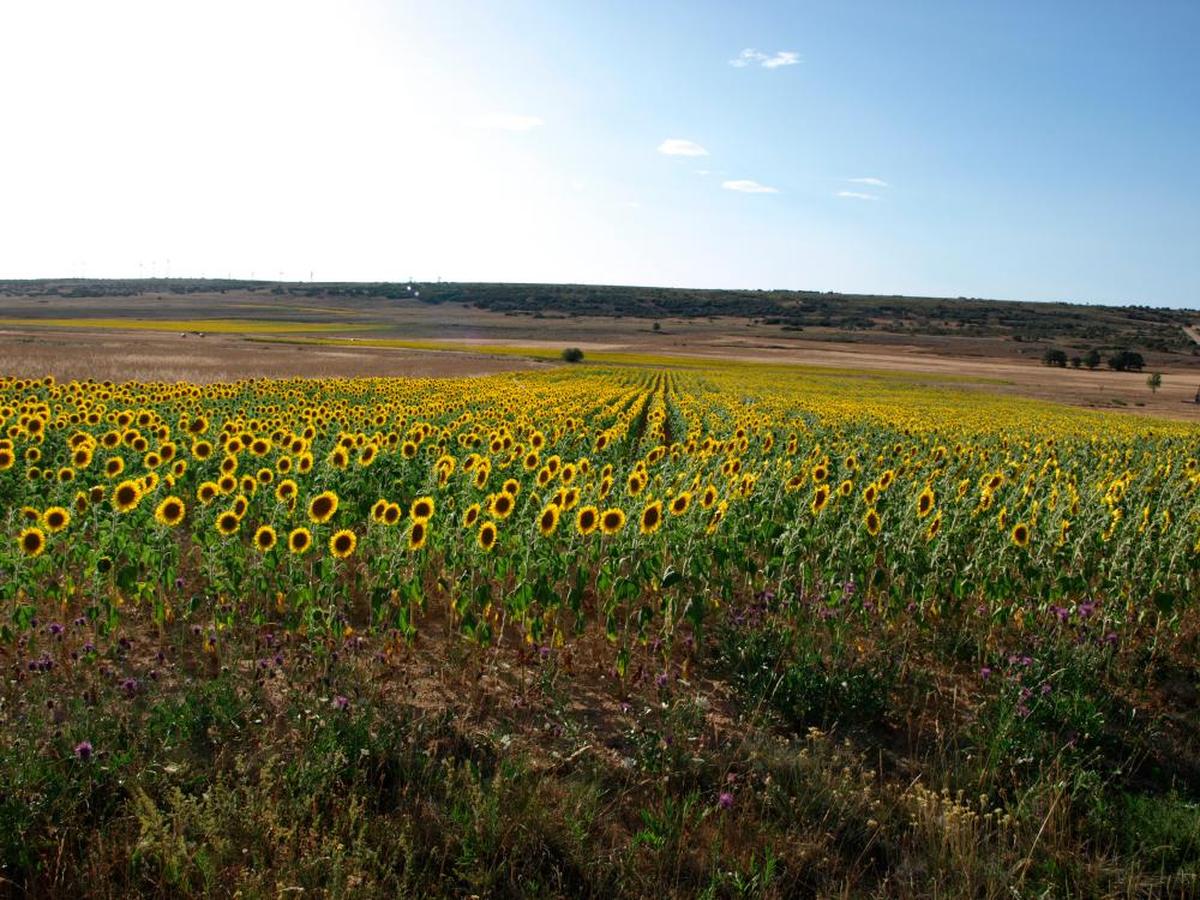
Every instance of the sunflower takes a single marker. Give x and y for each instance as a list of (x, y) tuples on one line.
[(612, 520), (486, 538), (342, 544), (207, 491), (114, 466), (228, 522), (322, 507), (511, 487), (56, 519), (470, 515), (680, 504), (820, 498), (925, 502), (286, 490), (170, 512), (378, 509), (127, 496), (392, 514), (1020, 534), (265, 538), (935, 525), (32, 541), (500, 505), (872, 522), (718, 516), (422, 509), (869, 494), (417, 534), (846, 488), (548, 520), (587, 519), (651, 518), (299, 541), (240, 505), (709, 497)]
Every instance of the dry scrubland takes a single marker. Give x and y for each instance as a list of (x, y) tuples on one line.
[(608, 630)]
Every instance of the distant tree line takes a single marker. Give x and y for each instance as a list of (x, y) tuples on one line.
[(1121, 361)]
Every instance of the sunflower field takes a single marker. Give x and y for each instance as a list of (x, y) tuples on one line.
[(653, 511), (641, 499)]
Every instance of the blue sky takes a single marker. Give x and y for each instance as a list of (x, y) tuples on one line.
[(1016, 150)]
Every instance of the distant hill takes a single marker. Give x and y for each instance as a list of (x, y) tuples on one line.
[(1134, 327)]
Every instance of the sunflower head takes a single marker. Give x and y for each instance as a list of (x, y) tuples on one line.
[(170, 512), (322, 507), (486, 537), (265, 538), (342, 543), (299, 541), (548, 520), (56, 518), (587, 519), (32, 541), (612, 520)]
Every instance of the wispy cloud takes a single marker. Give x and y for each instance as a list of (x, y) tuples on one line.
[(856, 195), (703, 171), (681, 147), (873, 182), (506, 122), (752, 57), (746, 186)]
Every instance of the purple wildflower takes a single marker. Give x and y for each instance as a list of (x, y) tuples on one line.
[(725, 801), (83, 750)]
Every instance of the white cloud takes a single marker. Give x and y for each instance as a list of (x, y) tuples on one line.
[(855, 195), (681, 147), (703, 171), (752, 57), (874, 182), (746, 186), (507, 122)]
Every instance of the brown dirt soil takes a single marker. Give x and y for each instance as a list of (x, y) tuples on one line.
[(130, 355)]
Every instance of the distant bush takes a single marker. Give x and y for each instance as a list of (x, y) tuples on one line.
[(1054, 358), (572, 355), (1126, 361)]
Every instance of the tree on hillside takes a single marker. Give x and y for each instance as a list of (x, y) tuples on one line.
[(1092, 360), (572, 355), (1154, 382), (1126, 361), (1054, 358)]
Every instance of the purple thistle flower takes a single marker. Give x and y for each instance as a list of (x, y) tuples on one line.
[(83, 750), (55, 629), (660, 680), (725, 801), (985, 673), (342, 703)]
